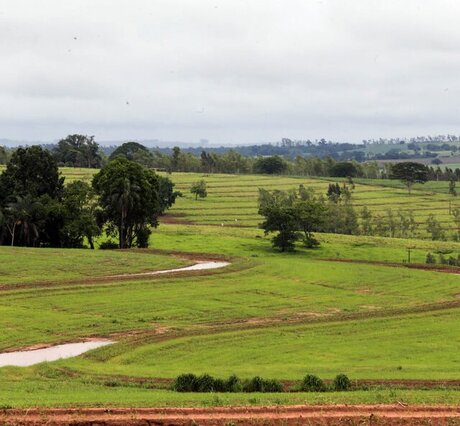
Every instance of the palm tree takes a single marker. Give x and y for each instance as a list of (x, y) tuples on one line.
[(125, 197), (21, 213)]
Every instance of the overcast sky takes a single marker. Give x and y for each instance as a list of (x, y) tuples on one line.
[(231, 71)]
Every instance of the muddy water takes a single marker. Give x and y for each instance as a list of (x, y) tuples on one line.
[(197, 267), (53, 353)]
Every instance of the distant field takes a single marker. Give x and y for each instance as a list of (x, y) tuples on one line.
[(232, 199)]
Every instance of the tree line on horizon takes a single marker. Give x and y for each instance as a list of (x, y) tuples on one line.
[(83, 151)]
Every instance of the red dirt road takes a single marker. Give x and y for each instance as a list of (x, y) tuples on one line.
[(278, 415)]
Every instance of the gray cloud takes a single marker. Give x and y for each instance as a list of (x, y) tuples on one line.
[(230, 71)]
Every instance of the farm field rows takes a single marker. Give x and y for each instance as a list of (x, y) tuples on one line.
[(232, 199)]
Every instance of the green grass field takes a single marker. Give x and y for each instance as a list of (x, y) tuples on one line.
[(350, 306), (232, 199)]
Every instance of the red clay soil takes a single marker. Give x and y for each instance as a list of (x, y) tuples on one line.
[(277, 415)]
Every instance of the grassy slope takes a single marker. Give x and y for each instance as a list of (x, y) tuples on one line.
[(20, 265), (260, 286)]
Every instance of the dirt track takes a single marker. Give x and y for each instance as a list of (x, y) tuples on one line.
[(277, 415)]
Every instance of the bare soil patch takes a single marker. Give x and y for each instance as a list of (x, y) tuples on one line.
[(276, 415)]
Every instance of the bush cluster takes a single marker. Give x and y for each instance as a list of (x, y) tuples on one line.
[(312, 383), (206, 383), (443, 260)]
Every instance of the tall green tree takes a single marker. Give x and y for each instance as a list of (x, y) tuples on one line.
[(279, 217), (78, 151), (410, 173), (33, 171), (80, 213), (24, 215), (129, 198)]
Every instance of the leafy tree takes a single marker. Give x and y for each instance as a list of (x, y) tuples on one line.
[(78, 151), (208, 162), (199, 189), (367, 227), (434, 228), (3, 155), (334, 192), (129, 198), (280, 217), (79, 211), (23, 214), (409, 173), (175, 160), (456, 218), (270, 165), (167, 195), (128, 150), (30, 171), (452, 190), (344, 169), (391, 223), (310, 215)]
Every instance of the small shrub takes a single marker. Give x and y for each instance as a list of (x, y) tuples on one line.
[(233, 384), (430, 259), (108, 245), (452, 261), (220, 385), (186, 383), (272, 386), (312, 383), (341, 382), (256, 384), (205, 383)]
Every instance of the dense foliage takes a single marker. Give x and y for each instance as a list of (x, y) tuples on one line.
[(78, 151), (296, 214), (410, 173), (36, 209)]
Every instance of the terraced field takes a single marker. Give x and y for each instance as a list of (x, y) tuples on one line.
[(352, 306), (232, 200)]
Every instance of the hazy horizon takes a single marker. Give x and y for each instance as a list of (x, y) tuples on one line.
[(231, 72)]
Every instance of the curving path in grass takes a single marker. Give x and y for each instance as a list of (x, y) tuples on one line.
[(45, 354)]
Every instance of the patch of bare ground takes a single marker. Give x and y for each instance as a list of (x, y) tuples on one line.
[(330, 415)]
